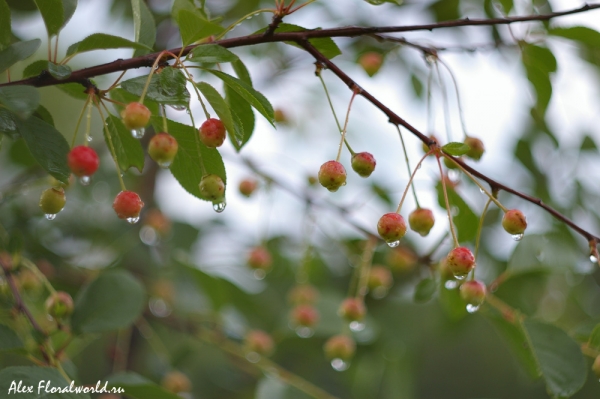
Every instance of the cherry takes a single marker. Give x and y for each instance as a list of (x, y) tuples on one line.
[(476, 148), (280, 116), (340, 347), (421, 220), (212, 133), (596, 366), (28, 280), (402, 259), (363, 163), (212, 188), (52, 201), (514, 222), (311, 180), (157, 220), (59, 305), (304, 294), (460, 261), (83, 161), (128, 205), (164, 289), (352, 309), (247, 187), (473, 292), (450, 164), (332, 175), (135, 116), (304, 316), (258, 341), (371, 62), (259, 258), (380, 278), (391, 227), (162, 149), (176, 382)]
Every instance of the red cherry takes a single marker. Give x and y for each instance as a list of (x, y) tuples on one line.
[(340, 347), (247, 187), (83, 161), (473, 292), (135, 116), (391, 227), (363, 163), (352, 309), (332, 175), (162, 149), (514, 222), (128, 205), (260, 258), (421, 220), (460, 261), (259, 342), (371, 62), (212, 133), (305, 316)]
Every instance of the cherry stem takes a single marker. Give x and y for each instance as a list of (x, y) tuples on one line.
[(116, 82), (480, 228), (110, 143), (345, 126), (490, 196), (88, 125), (458, 101), (445, 190), (152, 70), (430, 115), (239, 21), (444, 103), (164, 118), (206, 113), (412, 176), (337, 122), (412, 185), (79, 122), (56, 46), (365, 268), (31, 266)]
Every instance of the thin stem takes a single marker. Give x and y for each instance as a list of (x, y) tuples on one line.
[(444, 103), (302, 5), (197, 140), (116, 82), (480, 228), (458, 101), (31, 266), (79, 122), (345, 127), (88, 126), (412, 185), (206, 113), (445, 190), (239, 21), (111, 145), (337, 122), (149, 79), (164, 118), (429, 109), (122, 350), (56, 46), (365, 268), (20, 305), (412, 176)]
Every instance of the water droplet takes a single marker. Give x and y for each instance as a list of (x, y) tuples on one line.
[(50, 216), (482, 191), (454, 210), (250, 17), (379, 292), (133, 220), (339, 364), (159, 307), (138, 133), (178, 107), (344, 183), (472, 308), (259, 274), (357, 326), (219, 206), (593, 259), (451, 284), (304, 332), (149, 236), (85, 180), (165, 164), (460, 276), (89, 138), (453, 174), (253, 357), (517, 237), (419, 166), (393, 244)]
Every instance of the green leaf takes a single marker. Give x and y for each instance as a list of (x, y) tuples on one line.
[(563, 366), (581, 34), (47, 145), (129, 150), (138, 387), (5, 31), (464, 218), (222, 109), (194, 27), (247, 92), (588, 144), (7, 123), (445, 10), (544, 252), (211, 54), (325, 45), (103, 41), (215, 288), (243, 117), (167, 87), (425, 290), (17, 52), (74, 90), (188, 5), (453, 305), (56, 70), (539, 63), (96, 312), (32, 376), (241, 71), (42, 113), (9, 339), (417, 86), (144, 26), (22, 100), (69, 7), (186, 167), (53, 15), (456, 149), (594, 340), (380, 2)]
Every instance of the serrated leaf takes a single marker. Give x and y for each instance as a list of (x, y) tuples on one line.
[(425, 290), (9, 339), (456, 149), (243, 117), (17, 52), (559, 357), (143, 25), (5, 31), (325, 45), (129, 150), (167, 87), (22, 100), (33, 376), (242, 72), (74, 90), (594, 340), (69, 7), (47, 145), (186, 167), (96, 312), (53, 15), (464, 218), (247, 92), (56, 70), (193, 27), (211, 54), (103, 41), (139, 387), (222, 109)]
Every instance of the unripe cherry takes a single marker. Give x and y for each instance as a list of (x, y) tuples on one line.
[(450, 164), (340, 347), (363, 163), (332, 175), (176, 382), (212, 133), (247, 187), (391, 227), (135, 116), (476, 148), (162, 149), (259, 258), (421, 220), (304, 316), (258, 341), (280, 116), (128, 205), (304, 294), (371, 62), (473, 292), (83, 161), (212, 188), (52, 201), (460, 261), (27, 280), (402, 259), (596, 366), (514, 222), (59, 305), (380, 277), (352, 309)]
